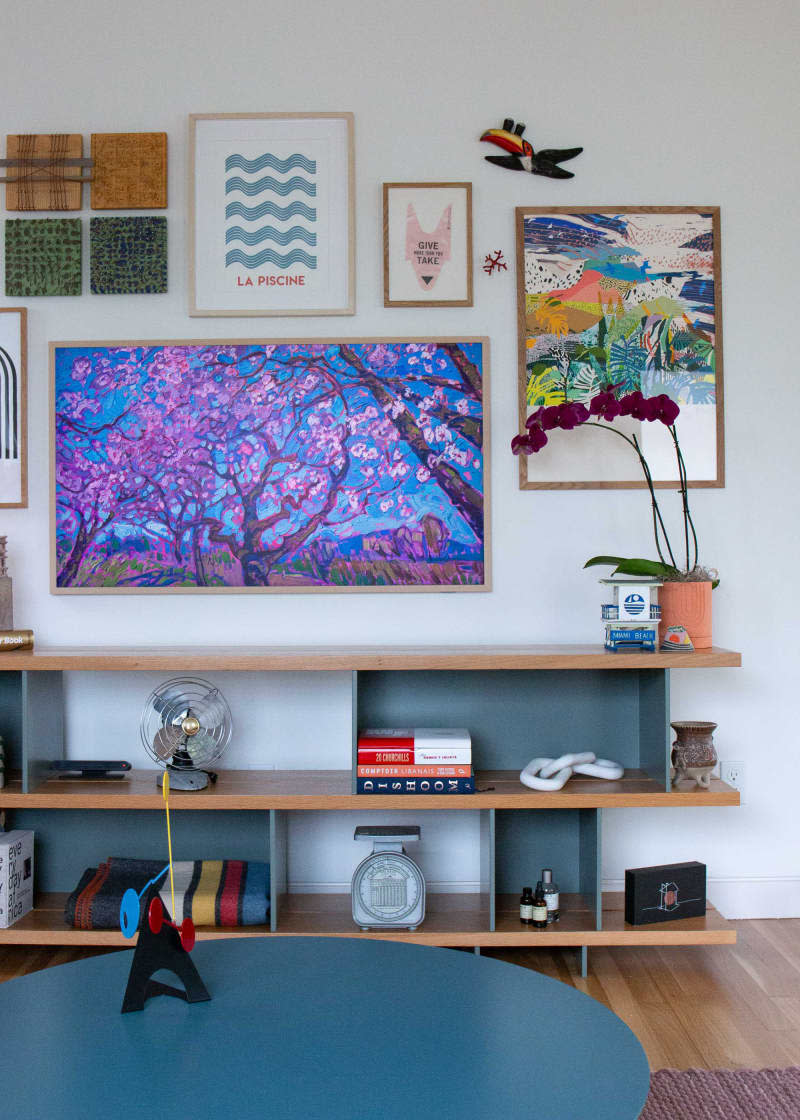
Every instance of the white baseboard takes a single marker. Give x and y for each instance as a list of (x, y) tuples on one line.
[(756, 897)]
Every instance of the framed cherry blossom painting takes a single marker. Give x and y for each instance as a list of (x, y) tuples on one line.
[(281, 466), (427, 244)]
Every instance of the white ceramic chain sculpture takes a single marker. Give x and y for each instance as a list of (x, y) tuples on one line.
[(554, 773)]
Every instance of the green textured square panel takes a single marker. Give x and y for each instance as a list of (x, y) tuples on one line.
[(128, 255), (43, 257)]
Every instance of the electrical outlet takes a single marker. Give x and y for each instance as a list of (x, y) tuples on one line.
[(733, 774)]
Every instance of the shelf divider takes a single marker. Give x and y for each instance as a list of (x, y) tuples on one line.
[(278, 864), (42, 725)]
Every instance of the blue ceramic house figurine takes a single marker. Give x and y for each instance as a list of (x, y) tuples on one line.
[(632, 618)]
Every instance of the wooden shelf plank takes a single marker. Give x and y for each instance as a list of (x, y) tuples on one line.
[(450, 920), (330, 789), (309, 658), (711, 929)]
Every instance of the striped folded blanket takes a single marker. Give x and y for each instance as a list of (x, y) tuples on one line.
[(212, 892)]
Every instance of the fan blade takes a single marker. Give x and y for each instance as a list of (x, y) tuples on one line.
[(165, 742), (200, 746)]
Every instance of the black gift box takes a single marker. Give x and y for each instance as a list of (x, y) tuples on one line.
[(665, 893)]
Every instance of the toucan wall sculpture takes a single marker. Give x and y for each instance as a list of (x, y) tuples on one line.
[(522, 156)]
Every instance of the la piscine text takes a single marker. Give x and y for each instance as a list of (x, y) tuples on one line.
[(270, 281)]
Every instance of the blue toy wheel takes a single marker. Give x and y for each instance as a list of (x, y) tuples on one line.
[(129, 913)]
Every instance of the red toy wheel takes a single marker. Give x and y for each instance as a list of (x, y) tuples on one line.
[(155, 914), (187, 935)]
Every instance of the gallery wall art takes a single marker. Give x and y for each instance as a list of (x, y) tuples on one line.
[(128, 256), (332, 465), (13, 408), (45, 171), (43, 257), (130, 170), (427, 244), (271, 214), (625, 298)]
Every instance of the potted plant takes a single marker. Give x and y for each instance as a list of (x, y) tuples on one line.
[(685, 597)]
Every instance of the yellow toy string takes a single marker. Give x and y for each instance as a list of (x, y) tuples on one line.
[(165, 791)]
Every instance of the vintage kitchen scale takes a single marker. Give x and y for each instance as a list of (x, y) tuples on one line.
[(388, 888)]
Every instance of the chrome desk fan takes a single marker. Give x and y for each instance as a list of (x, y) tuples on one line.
[(186, 726)]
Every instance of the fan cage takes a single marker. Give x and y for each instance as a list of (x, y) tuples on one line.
[(166, 707)]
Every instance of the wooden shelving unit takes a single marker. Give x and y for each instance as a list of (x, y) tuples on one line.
[(517, 701)]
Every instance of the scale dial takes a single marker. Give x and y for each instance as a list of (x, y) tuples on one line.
[(388, 889)]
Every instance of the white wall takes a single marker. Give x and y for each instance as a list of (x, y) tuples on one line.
[(676, 103)]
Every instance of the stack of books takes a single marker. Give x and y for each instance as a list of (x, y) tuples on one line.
[(415, 760)]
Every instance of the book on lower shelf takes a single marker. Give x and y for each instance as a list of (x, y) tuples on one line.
[(16, 875), (415, 746), (416, 785)]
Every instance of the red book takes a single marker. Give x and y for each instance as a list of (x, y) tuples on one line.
[(414, 771), (386, 737), (386, 756)]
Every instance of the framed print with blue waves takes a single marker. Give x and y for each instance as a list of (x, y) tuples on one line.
[(271, 214)]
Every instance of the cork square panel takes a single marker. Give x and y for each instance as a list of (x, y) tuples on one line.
[(128, 255), (43, 185), (43, 257), (130, 170)]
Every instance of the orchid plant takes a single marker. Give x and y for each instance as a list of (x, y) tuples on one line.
[(603, 408)]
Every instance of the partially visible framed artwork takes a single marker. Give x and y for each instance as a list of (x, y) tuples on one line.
[(272, 214), (13, 409), (623, 298), (285, 466), (427, 245)]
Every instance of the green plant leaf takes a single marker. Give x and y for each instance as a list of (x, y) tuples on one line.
[(639, 567), (634, 566), (595, 560)]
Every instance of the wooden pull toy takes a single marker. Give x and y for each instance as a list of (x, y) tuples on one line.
[(162, 943)]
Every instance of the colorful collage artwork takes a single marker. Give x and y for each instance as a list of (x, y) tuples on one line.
[(282, 466), (630, 299)]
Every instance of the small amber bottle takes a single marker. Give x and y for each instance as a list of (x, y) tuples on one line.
[(526, 906), (539, 910)]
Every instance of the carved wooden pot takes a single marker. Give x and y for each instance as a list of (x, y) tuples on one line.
[(693, 752), (687, 604)]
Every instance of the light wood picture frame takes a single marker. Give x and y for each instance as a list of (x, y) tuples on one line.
[(292, 465), (271, 214), (13, 408), (427, 245), (627, 296)]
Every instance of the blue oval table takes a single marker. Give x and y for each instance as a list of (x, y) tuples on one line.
[(333, 1028)]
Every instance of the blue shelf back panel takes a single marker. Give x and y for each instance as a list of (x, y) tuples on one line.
[(654, 730), (513, 715), (11, 718), (529, 839), (590, 831), (69, 840)]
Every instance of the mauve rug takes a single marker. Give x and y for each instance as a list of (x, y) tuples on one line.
[(724, 1094)]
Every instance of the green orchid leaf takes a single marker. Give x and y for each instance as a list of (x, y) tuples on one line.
[(639, 567), (634, 566), (613, 560)]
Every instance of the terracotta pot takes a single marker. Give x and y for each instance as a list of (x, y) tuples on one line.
[(687, 604)]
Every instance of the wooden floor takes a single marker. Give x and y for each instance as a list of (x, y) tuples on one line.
[(704, 1008)]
